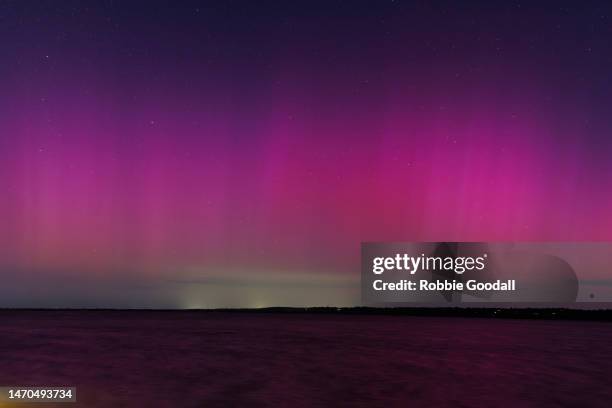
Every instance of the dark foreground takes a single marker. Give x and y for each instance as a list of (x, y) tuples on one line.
[(191, 359)]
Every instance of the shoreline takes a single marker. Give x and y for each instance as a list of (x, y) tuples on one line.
[(466, 312)]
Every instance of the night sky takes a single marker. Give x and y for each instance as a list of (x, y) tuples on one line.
[(236, 153)]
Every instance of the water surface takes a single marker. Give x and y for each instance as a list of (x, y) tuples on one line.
[(194, 359)]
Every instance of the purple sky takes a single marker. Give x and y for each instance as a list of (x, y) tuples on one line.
[(236, 154)]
